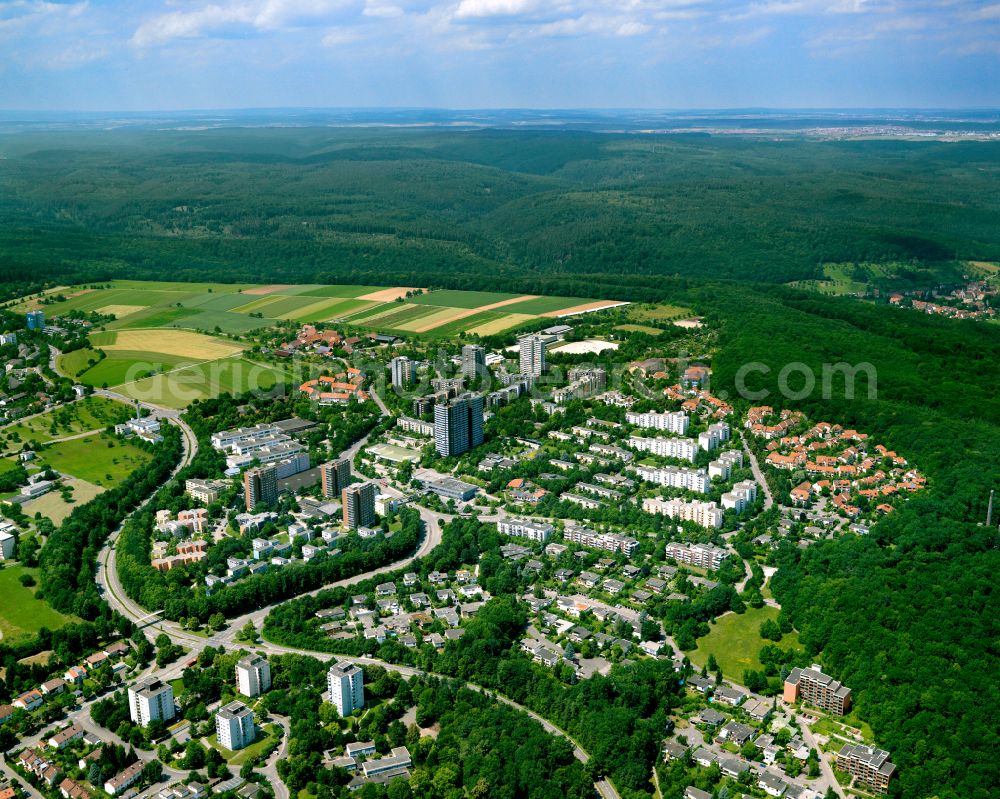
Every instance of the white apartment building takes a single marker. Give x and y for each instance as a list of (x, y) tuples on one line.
[(707, 556), (741, 497), (706, 514), (716, 434), (676, 477), (234, 726), (671, 421), (682, 448), (532, 351), (150, 700), (611, 542), (346, 683), (723, 467), (525, 528), (253, 675)]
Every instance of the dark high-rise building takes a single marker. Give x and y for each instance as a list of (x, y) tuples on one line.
[(260, 486), (458, 424), (335, 476), (473, 361), (359, 505)]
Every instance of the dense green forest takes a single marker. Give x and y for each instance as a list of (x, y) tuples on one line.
[(532, 209)]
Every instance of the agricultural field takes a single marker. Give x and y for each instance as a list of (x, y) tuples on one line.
[(89, 413), (99, 459), (630, 328), (735, 641), (21, 614), (235, 310)]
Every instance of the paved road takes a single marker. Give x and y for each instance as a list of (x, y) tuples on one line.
[(758, 475)]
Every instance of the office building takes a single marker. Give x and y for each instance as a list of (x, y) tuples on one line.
[(402, 371), (35, 320), (234, 727), (150, 700), (867, 764), (473, 361), (260, 486), (346, 684), (532, 350), (358, 502), (458, 424), (335, 476), (813, 686), (253, 675)]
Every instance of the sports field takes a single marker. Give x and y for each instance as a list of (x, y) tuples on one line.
[(21, 614)]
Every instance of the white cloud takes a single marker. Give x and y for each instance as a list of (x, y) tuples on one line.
[(259, 15), (470, 9), (383, 10)]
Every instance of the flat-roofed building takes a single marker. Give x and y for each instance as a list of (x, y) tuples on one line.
[(867, 764), (813, 686), (346, 684), (234, 726), (149, 700), (253, 675)]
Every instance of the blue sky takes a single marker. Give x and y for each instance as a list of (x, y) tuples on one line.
[(197, 54)]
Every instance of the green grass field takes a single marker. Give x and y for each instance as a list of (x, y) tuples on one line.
[(89, 413), (650, 331), (55, 508), (126, 366), (347, 292), (7, 465), (462, 299), (180, 388), (21, 614), (735, 641), (98, 459), (656, 313), (544, 305)]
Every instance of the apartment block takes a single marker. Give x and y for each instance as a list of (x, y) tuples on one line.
[(346, 684), (671, 421), (611, 542), (676, 477), (707, 556), (532, 352), (335, 476), (253, 675), (150, 700), (716, 434), (706, 514), (686, 449), (402, 371), (473, 361), (458, 424), (867, 765), (234, 726), (525, 528), (358, 505), (743, 495), (813, 686), (723, 466), (260, 487)]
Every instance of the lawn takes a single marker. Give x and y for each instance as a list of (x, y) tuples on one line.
[(124, 366), (180, 388), (655, 313), (21, 614), (649, 331), (735, 641), (55, 508), (99, 459), (89, 413), (267, 735)]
